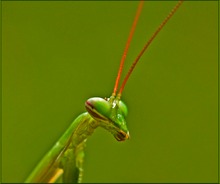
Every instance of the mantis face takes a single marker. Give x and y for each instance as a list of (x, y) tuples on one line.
[(111, 113)]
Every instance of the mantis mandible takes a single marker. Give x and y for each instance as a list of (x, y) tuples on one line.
[(63, 163)]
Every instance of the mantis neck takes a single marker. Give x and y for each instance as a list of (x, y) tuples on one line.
[(84, 129)]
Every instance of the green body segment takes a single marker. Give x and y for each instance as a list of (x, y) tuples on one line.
[(63, 163), (66, 153)]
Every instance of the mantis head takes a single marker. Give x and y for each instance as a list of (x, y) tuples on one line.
[(111, 113)]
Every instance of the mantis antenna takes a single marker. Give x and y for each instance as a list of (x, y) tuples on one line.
[(127, 46), (143, 49)]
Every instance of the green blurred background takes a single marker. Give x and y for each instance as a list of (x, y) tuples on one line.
[(58, 54)]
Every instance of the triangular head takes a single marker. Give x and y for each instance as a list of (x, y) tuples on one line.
[(111, 113)]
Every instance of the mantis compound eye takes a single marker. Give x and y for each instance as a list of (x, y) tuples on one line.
[(123, 108), (98, 107)]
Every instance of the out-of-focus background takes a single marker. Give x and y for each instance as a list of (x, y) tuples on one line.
[(58, 54)]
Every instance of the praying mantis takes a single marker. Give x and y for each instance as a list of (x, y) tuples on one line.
[(64, 162)]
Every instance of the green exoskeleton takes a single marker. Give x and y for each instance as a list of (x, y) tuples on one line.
[(63, 163), (66, 157)]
